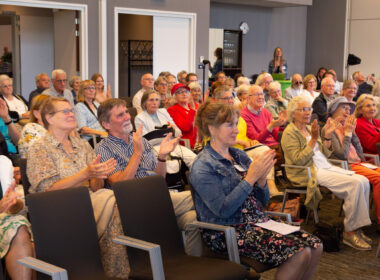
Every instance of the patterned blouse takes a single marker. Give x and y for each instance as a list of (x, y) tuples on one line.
[(48, 162), (29, 134)]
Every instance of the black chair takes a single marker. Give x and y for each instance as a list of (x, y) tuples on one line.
[(128, 100), (24, 178), (147, 213), (65, 235), (133, 112)]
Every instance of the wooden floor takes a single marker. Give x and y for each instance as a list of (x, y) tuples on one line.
[(348, 263)]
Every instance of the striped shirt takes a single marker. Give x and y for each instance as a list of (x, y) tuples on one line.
[(113, 147)]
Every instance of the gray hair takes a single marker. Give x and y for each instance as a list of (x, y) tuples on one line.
[(241, 80), (194, 85), (360, 103), (38, 76), (261, 77), (274, 85), (324, 81), (181, 73), (219, 91), (72, 80), (241, 89), (376, 88), (5, 78), (57, 72), (293, 106)]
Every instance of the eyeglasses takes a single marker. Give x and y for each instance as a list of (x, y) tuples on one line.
[(163, 84), (181, 92), (352, 88), (90, 88), (61, 81), (64, 111), (7, 86), (298, 83), (305, 109), (346, 108), (256, 94), (228, 98), (330, 86)]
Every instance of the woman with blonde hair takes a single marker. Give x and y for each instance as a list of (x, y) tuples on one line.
[(309, 86), (349, 90), (278, 64)]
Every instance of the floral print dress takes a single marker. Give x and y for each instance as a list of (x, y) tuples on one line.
[(263, 245), (30, 133)]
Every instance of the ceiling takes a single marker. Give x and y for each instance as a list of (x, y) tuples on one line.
[(267, 3)]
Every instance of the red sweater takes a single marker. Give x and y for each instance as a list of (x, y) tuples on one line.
[(184, 119), (257, 126), (368, 133)]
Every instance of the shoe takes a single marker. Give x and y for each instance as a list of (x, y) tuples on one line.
[(364, 237), (354, 241)]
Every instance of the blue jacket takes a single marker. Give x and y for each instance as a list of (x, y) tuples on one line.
[(218, 192)]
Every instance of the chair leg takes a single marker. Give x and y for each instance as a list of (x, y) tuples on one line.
[(341, 208), (284, 201), (316, 218)]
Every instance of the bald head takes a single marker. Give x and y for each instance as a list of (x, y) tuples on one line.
[(297, 81)]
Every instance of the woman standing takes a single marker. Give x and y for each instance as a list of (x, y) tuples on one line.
[(278, 64), (229, 189)]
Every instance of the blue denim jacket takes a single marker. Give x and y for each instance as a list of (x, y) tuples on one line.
[(218, 192)]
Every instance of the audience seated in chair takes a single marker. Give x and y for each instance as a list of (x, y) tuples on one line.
[(345, 145), (326, 96), (309, 86), (135, 158), (276, 103), (263, 81), (161, 86), (302, 146), (9, 131), (363, 86), (101, 94), (147, 82), (230, 189), (42, 83), (296, 87), (349, 90), (59, 81)]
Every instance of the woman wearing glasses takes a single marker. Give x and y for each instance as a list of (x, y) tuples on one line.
[(276, 103), (59, 161), (86, 112), (302, 146), (349, 90), (309, 86)]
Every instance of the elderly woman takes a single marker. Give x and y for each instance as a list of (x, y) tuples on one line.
[(153, 117), (230, 189), (309, 86), (278, 64), (9, 131), (70, 162), (345, 145), (161, 87), (182, 114), (296, 87), (242, 95), (253, 148), (302, 146), (367, 127), (86, 112), (196, 94), (34, 129), (101, 94), (15, 232), (14, 102), (276, 103), (74, 83), (349, 90)]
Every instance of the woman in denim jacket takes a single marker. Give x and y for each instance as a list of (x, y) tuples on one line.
[(229, 189)]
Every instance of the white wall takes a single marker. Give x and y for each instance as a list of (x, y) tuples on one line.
[(36, 48), (364, 35), (269, 28), (64, 42), (5, 37)]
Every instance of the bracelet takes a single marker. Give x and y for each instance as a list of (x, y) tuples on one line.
[(161, 160), (8, 123)]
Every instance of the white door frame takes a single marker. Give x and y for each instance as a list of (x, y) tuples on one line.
[(65, 6), (146, 12)]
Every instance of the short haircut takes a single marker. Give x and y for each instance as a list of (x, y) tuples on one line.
[(261, 77), (83, 85), (189, 75), (194, 85), (241, 89), (293, 106), (180, 74), (5, 77), (56, 72), (214, 114), (219, 73), (72, 80), (105, 108), (159, 80), (146, 96), (49, 108), (241, 80), (360, 102), (38, 76), (324, 81), (274, 85), (219, 91)]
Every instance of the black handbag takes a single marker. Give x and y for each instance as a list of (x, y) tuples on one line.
[(330, 236)]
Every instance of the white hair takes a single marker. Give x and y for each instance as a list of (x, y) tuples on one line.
[(194, 85), (5, 78), (57, 72), (241, 89), (293, 105), (242, 80), (274, 85), (324, 81), (261, 77), (38, 76)]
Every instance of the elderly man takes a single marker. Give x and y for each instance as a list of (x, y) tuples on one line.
[(59, 81), (147, 82), (321, 103), (295, 89), (42, 83), (363, 87), (276, 103), (260, 124), (263, 80), (338, 85), (181, 77), (135, 159)]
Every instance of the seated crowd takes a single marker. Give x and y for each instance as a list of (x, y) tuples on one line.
[(241, 133)]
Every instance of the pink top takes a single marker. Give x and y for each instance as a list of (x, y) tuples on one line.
[(257, 126)]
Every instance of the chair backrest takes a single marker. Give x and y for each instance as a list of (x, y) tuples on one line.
[(128, 100), (133, 112), (24, 178), (64, 231), (147, 213)]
